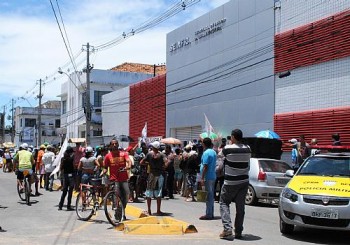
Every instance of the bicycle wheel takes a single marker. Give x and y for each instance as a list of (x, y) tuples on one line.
[(27, 190), (21, 192), (84, 207), (113, 208)]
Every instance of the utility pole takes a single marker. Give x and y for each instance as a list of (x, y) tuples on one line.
[(87, 98), (39, 114), (13, 124)]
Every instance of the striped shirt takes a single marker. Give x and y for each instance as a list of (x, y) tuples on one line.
[(236, 162)]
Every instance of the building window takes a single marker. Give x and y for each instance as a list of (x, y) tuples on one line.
[(29, 122), (97, 133), (64, 107), (57, 123), (43, 133), (82, 134), (98, 97), (21, 122)]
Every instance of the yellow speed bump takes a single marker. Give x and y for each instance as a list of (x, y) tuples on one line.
[(153, 225)]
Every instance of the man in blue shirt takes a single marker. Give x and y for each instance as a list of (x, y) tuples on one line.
[(208, 176)]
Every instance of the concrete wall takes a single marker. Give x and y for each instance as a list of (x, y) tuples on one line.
[(221, 64), (115, 112)]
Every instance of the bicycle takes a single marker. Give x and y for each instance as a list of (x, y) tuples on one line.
[(113, 206), (23, 187), (87, 202)]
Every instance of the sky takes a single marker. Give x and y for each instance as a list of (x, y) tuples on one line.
[(32, 47)]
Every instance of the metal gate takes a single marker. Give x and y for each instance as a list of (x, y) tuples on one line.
[(188, 133)]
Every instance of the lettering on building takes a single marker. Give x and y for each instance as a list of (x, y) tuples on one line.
[(180, 44), (209, 29)]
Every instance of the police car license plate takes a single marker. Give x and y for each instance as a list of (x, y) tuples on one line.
[(324, 213)]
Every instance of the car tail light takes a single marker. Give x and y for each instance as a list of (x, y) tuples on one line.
[(261, 175)]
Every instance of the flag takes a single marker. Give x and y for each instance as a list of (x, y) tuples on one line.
[(144, 131), (58, 158), (207, 126)]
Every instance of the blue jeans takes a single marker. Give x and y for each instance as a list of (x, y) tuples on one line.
[(209, 188)]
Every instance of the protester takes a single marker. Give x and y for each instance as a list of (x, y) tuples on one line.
[(88, 165), (236, 181), (192, 169), (156, 161), (78, 154), (208, 176), (118, 163), (178, 176), (24, 160), (40, 168), (67, 167), (170, 170), (48, 160)]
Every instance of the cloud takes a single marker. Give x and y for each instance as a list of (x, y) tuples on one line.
[(31, 45)]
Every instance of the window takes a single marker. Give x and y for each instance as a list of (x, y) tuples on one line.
[(97, 133), (64, 107), (21, 123), (29, 122), (98, 97), (57, 123)]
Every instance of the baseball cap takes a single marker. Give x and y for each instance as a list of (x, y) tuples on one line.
[(155, 144), (293, 141), (24, 146)]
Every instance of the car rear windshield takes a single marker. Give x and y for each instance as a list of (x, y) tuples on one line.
[(326, 166), (274, 166)]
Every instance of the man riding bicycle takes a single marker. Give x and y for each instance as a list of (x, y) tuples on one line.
[(118, 162), (24, 160)]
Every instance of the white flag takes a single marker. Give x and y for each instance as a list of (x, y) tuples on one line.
[(208, 128), (144, 131), (57, 161)]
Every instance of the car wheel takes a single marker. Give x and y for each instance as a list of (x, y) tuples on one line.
[(250, 197), (286, 228)]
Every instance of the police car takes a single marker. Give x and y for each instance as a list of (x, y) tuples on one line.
[(318, 195)]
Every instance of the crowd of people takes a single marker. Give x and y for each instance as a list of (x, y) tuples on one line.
[(157, 171)]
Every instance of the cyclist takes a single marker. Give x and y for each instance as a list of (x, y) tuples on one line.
[(24, 160), (87, 165), (118, 162)]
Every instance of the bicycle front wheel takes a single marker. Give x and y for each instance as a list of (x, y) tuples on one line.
[(113, 208), (21, 192), (84, 206)]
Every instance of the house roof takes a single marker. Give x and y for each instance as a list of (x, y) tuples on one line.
[(144, 68)]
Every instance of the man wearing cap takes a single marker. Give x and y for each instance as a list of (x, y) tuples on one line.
[(24, 160), (157, 161)]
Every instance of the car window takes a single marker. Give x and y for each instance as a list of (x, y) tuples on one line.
[(326, 166), (274, 166)]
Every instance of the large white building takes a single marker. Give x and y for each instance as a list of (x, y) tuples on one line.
[(73, 120)]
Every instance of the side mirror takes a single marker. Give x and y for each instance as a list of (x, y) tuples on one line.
[(289, 173)]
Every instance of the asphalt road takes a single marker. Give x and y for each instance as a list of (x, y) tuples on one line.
[(42, 223)]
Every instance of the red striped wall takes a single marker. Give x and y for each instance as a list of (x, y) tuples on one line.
[(147, 104), (320, 124), (314, 43)]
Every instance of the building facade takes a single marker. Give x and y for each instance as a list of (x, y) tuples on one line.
[(26, 124), (312, 45), (73, 94), (221, 65)]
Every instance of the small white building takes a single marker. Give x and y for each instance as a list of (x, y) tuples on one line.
[(26, 124)]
